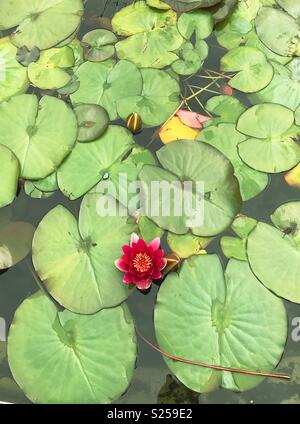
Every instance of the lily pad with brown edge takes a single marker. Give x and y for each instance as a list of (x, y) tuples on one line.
[(93, 121), (86, 166), (15, 243), (99, 45), (69, 358), (188, 244), (52, 70), (75, 260), (254, 72), (274, 254), (270, 146), (9, 175), (202, 302), (35, 21), (13, 76), (152, 35), (235, 247), (40, 133), (226, 139), (188, 165)]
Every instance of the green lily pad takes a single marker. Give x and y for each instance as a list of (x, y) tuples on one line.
[(254, 71), (187, 5), (89, 162), (214, 311), (158, 100), (270, 147), (40, 25), (15, 243), (41, 134), (148, 230), (69, 359), (235, 247), (227, 108), (199, 22), (279, 31), (274, 253), (99, 45), (152, 35), (50, 71), (189, 61), (32, 191), (105, 83), (284, 89), (297, 116), (226, 139), (254, 41), (76, 261), (291, 6), (158, 4), (193, 162), (13, 76), (9, 176), (93, 121), (188, 244), (48, 184)]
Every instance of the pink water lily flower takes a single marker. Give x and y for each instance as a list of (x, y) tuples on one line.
[(142, 263)]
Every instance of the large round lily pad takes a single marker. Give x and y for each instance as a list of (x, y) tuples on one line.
[(254, 71), (88, 162), (156, 103), (186, 161), (232, 320), (271, 146), (152, 35), (274, 253), (9, 176), (13, 76), (41, 134), (76, 261), (62, 357), (40, 24), (226, 138), (50, 72)]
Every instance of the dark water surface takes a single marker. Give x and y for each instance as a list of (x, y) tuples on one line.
[(152, 382)]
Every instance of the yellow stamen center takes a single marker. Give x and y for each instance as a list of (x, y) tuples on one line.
[(142, 262)]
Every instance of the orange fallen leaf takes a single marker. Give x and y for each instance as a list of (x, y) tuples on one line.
[(175, 130), (293, 177)]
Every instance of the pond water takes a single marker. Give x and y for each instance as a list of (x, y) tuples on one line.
[(152, 382)]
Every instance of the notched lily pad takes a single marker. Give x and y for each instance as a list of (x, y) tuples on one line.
[(201, 303), (99, 45), (26, 56), (226, 108), (69, 355), (188, 244), (93, 121)]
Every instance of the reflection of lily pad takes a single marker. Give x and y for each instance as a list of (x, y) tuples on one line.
[(158, 100), (13, 76), (193, 162), (152, 35), (40, 25), (76, 261), (9, 175), (99, 45), (284, 89), (270, 146), (88, 162), (274, 253), (254, 71), (93, 121), (41, 134), (69, 358), (15, 243), (226, 138), (50, 71), (199, 304)]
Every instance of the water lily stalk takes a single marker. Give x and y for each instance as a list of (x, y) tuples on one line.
[(207, 90), (219, 73), (199, 101), (199, 91), (214, 367)]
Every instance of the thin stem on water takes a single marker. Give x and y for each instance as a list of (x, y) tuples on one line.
[(200, 91), (199, 102), (214, 367)]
